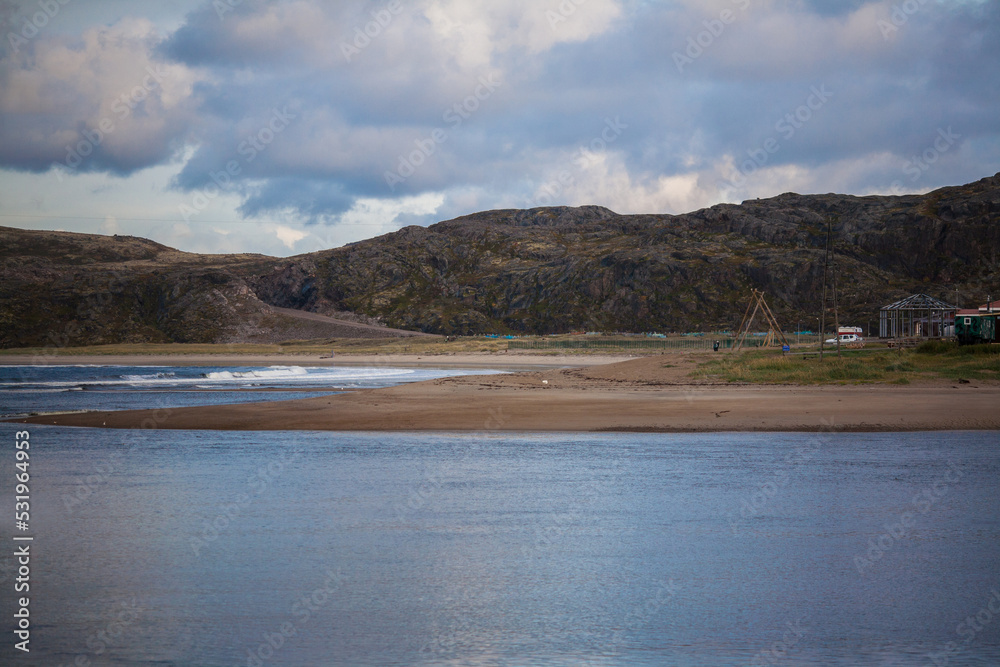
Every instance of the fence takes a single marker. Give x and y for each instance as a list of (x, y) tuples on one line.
[(692, 343), (614, 344)]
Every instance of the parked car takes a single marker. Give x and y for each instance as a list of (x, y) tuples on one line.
[(847, 338)]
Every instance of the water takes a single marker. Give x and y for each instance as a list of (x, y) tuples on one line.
[(26, 389), (299, 548), (519, 550)]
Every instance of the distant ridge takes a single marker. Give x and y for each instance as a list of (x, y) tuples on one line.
[(542, 270)]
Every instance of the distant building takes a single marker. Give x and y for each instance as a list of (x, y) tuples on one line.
[(991, 307), (917, 316), (978, 325)]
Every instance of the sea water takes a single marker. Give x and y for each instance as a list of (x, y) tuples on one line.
[(54, 388), (303, 548)]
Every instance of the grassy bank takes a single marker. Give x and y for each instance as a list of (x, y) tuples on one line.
[(931, 361)]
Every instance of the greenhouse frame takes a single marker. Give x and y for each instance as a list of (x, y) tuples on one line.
[(917, 316)]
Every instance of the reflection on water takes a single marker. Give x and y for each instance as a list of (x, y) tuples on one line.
[(209, 548)]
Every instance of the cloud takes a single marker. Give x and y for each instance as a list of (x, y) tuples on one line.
[(289, 236), (96, 102), (257, 33), (478, 33), (294, 113)]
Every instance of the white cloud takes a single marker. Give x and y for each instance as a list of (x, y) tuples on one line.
[(289, 236), (474, 32), (604, 179), (105, 90)]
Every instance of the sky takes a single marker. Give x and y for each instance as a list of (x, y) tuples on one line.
[(293, 126)]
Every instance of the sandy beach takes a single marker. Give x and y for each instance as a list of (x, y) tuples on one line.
[(642, 394)]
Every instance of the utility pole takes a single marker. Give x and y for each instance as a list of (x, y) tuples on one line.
[(826, 271), (833, 272)]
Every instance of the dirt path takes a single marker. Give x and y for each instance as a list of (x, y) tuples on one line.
[(365, 328)]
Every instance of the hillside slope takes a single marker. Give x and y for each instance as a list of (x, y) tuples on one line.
[(60, 288), (542, 270), (561, 269)]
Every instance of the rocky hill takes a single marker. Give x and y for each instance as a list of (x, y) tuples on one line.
[(542, 270), (59, 289), (561, 269)]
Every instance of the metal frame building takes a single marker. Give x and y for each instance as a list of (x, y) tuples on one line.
[(917, 316)]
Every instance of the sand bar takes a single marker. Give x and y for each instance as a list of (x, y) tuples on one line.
[(637, 395)]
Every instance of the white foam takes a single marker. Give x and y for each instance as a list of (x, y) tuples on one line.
[(273, 376), (272, 373)]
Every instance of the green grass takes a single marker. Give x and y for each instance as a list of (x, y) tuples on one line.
[(931, 361), (936, 347), (901, 365)]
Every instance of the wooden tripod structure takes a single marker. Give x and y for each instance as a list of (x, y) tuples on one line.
[(758, 304)]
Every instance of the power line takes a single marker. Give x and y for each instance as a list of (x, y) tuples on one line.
[(127, 219), (83, 217)]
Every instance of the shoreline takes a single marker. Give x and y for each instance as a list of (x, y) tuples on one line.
[(639, 395), (500, 361)]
